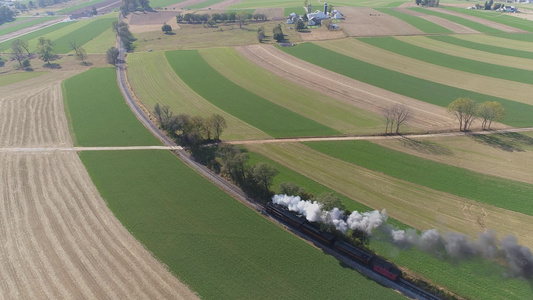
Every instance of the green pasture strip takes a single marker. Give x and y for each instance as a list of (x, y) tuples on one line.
[(100, 116), (323, 109), (499, 192), (88, 4), (422, 24), (295, 9), (468, 23), (101, 43), (495, 17), (23, 25), (518, 114), (450, 61), (203, 4), (16, 77), (163, 3), (524, 37), (6, 46), (252, 109), (484, 279), (82, 35), (15, 21), (482, 47), (219, 247)]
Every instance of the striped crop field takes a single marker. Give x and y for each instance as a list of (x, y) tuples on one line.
[(448, 274), (422, 24), (525, 37), (86, 95), (219, 247), (153, 81), (459, 20), (496, 17), (321, 108), (504, 40), (271, 118), (337, 3), (101, 43), (518, 114), (33, 36), (82, 35)]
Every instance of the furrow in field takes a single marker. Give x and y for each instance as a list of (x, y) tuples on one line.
[(516, 91), (154, 81), (351, 91), (319, 107), (414, 205), (457, 28)]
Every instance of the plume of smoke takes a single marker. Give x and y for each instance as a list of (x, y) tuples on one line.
[(454, 245)]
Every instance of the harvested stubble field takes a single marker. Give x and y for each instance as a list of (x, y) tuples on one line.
[(151, 21), (357, 93), (220, 247), (484, 278), (518, 114), (370, 22), (16, 77), (153, 81), (269, 117), (420, 23), (319, 107), (385, 58)]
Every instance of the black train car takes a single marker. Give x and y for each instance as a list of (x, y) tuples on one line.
[(353, 252), (324, 237), (386, 269), (285, 215)]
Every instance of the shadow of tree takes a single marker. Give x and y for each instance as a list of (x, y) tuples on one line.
[(510, 142), (426, 147)]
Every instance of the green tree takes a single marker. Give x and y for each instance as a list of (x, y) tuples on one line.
[(242, 16), (26, 64), (79, 52), (233, 160), (278, 33), (490, 112), (292, 189), (45, 50), (17, 51), (329, 201), (112, 56), (261, 34), (300, 25), (166, 28), (464, 110), (218, 124), (94, 11), (263, 174)]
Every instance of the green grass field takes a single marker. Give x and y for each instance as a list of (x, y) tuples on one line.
[(101, 43), (463, 21), (482, 47), (16, 77), (319, 5), (295, 9), (98, 114), (518, 114), (163, 3), (499, 192), (321, 108), (6, 46), (251, 108), (203, 4), (25, 24), (422, 24), (88, 5), (82, 35), (218, 246), (496, 17), (525, 37), (476, 279), (450, 61)]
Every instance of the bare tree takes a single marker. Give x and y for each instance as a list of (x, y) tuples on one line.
[(490, 112), (402, 114), (388, 114), (18, 52), (79, 52), (464, 110)]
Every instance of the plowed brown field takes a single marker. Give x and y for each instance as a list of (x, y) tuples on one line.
[(364, 21)]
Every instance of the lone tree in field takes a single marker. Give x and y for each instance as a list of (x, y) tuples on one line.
[(278, 33), (45, 51), (490, 112), (242, 16), (464, 110), (166, 28), (79, 52), (395, 116), (21, 44), (261, 34), (111, 56), (18, 52)]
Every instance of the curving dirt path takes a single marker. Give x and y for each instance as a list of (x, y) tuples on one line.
[(365, 96), (457, 28)]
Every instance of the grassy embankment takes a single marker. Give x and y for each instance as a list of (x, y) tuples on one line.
[(154, 81), (319, 107), (484, 279), (422, 24), (98, 114), (518, 114), (35, 35), (459, 20), (249, 107), (219, 247), (24, 24)]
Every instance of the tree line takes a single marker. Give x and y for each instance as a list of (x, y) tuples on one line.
[(466, 111), (213, 19), (134, 5), (6, 14)]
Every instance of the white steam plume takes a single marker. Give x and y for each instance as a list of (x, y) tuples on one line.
[(453, 244)]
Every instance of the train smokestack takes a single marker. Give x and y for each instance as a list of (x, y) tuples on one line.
[(325, 8), (309, 8)]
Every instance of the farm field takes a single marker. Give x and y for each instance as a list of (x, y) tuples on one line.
[(414, 205), (504, 41), (101, 43), (525, 37), (337, 3), (454, 27), (453, 40), (251, 108), (16, 77), (319, 107), (154, 81), (448, 274), (22, 23), (367, 21), (504, 155), (221, 248), (465, 21), (6, 45), (434, 93), (451, 61), (420, 23), (495, 17), (71, 8), (203, 4), (368, 53), (94, 126), (507, 194)]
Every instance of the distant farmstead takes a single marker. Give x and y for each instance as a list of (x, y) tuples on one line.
[(315, 19)]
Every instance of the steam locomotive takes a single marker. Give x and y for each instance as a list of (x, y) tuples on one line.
[(362, 257)]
